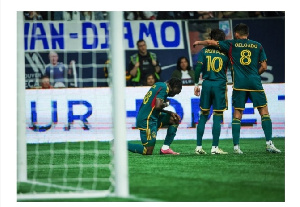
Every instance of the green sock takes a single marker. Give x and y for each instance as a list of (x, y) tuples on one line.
[(136, 148), (171, 133), (216, 130), (267, 126), (236, 128), (200, 128)]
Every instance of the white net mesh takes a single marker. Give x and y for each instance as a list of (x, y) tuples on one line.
[(69, 124)]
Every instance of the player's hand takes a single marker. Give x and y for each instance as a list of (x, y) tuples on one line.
[(176, 118), (195, 43), (196, 91), (137, 65)]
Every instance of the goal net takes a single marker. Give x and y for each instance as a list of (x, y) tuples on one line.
[(70, 145)]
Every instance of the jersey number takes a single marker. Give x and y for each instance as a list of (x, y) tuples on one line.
[(147, 96), (245, 57), (211, 63)]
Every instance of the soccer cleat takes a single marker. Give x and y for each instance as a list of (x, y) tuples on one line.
[(272, 148), (237, 151), (168, 151), (200, 151), (218, 151)]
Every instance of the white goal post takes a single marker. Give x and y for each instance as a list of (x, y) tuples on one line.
[(118, 152)]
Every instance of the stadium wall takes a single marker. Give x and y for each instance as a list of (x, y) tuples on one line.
[(67, 115)]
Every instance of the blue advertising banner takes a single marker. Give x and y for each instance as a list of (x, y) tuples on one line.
[(87, 44)]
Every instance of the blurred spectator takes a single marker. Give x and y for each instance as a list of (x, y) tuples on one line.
[(150, 79), (143, 63), (184, 71), (255, 14), (60, 76), (140, 15), (206, 15), (233, 14), (86, 15), (45, 82), (165, 15), (190, 15), (273, 13), (150, 15), (35, 15), (66, 15), (99, 15)]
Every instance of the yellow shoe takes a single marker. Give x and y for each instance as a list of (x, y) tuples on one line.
[(218, 151), (237, 151), (200, 151), (272, 148)]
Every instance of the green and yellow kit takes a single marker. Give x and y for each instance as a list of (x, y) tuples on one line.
[(213, 64), (149, 119), (245, 55)]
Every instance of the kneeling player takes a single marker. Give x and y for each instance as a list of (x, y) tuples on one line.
[(151, 117)]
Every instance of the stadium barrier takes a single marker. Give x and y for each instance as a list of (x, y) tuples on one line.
[(83, 114)]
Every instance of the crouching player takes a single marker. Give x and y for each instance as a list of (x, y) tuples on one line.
[(151, 117)]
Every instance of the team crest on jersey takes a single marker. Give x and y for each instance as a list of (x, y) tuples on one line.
[(154, 135), (60, 69)]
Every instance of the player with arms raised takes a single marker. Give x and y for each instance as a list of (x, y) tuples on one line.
[(151, 117), (245, 55)]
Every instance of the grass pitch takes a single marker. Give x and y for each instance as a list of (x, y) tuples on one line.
[(255, 176)]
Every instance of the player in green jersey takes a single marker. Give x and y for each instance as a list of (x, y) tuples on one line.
[(213, 64), (152, 116), (245, 55)]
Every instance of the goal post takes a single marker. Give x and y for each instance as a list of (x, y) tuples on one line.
[(21, 118), (63, 169), (118, 90)]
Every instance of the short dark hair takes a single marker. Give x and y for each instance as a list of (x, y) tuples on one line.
[(242, 29), (217, 34), (139, 41), (175, 83), (150, 74), (179, 61)]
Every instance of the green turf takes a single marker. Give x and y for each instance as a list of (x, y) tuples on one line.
[(256, 175)]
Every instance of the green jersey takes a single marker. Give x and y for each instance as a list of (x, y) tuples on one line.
[(212, 63), (245, 55), (147, 110)]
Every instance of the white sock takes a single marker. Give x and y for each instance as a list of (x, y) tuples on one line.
[(269, 142), (165, 147), (236, 147), (214, 147), (199, 148)]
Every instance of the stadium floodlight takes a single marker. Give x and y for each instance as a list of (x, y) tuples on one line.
[(58, 168)]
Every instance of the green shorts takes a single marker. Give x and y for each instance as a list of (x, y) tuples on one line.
[(239, 99), (213, 93), (148, 135)]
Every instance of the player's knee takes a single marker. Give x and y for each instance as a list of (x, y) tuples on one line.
[(149, 150), (172, 121), (218, 113), (206, 113)]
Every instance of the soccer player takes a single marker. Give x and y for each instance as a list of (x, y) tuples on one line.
[(213, 64), (245, 55), (152, 116)]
